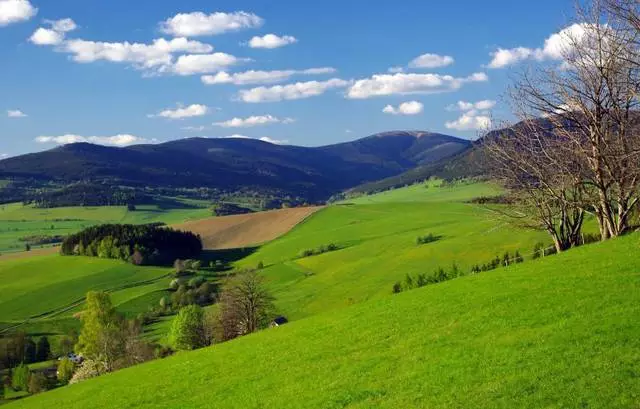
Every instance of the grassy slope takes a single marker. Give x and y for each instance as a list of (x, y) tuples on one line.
[(563, 331), (378, 240), (18, 221), (38, 285)]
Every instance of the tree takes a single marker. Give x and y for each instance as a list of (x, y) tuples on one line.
[(20, 378), (245, 305), (89, 369), (29, 351), (187, 330), (584, 154), (101, 337), (43, 349), (66, 368)]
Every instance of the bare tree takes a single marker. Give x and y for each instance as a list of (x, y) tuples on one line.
[(589, 105), (245, 305)]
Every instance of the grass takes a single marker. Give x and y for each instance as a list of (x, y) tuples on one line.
[(377, 242), (17, 221), (563, 331), (47, 290)]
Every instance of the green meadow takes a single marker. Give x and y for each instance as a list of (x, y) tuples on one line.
[(18, 221), (558, 332)]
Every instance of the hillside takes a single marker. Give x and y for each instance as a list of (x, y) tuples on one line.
[(238, 163), (558, 332)]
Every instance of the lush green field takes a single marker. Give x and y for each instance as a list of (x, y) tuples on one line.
[(563, 331), (17, 221), (47, 290), (378, 245)]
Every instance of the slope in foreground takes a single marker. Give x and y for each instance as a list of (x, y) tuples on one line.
[(559, 332)]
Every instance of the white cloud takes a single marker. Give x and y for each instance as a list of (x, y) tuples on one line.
[(140, 55), (14, 11), (46, 36), (54, 35), (116, 140), (254, 121), (395, 70), (467, 106), (261, 77), (470, 120), (200, 24), (406, 108), (190, 111), (263, 139), (4, 155), (203, 63), (431, 61), (299, 90), (555, 47), (271, 41), (16, 113), (64, 25), (402, 84), (194, 128)]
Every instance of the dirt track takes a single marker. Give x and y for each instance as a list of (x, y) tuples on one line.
[(246, 230)]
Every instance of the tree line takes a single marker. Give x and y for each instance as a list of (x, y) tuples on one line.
[(138, 244)]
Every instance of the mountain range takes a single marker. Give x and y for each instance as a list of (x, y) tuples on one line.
[(314, 173)]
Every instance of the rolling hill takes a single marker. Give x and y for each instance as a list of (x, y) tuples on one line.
[(557, 332), (235, 163)]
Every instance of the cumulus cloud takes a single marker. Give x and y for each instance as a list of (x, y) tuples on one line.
[(298, 90), (402, 84), (255, 120), (16, 113), (140, 55), (263, 139), (54, 35), (261, 77), (203, 63), (395, 70), (467, 106), (470, 120), (15, 11), (201, 24), (555, 47), (431, 61), (116, 140), (406, 108), (190, 111), (271, 41), (475, 115)]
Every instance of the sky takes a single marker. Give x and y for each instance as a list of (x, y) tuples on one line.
[(310, 73)]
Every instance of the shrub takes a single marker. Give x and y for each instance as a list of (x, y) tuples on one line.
[(397, 287), (429, 238), (187, 329), (320, 250), (20, 379), (174, 284), (65, 370), (537, 250), (37, 383), (196, 282), (87, 370)]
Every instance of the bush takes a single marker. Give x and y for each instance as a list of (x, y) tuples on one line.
[(537, 250), (87, 370), (196, 282), (20, 379), (66, 368), (37, 383), (320, 250), (429, 238), (174, 284), (397, 287), (187, 329)]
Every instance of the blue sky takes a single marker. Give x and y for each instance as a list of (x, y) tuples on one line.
[(331, 70)]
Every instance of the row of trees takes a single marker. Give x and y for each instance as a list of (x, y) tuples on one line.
[(576, 149), (138, 244), (19, 348)]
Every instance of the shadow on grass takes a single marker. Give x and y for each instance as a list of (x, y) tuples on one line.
[(227, 256)]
